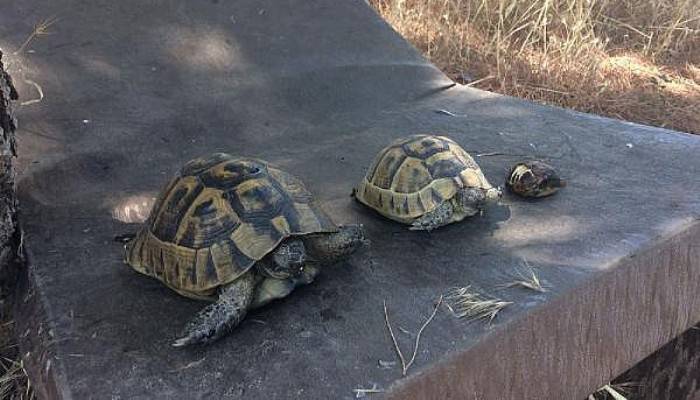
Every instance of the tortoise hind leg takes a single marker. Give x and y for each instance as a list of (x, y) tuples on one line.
[(440, 216), (220, 317)]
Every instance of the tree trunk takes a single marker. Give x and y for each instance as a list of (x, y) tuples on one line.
[(8, 200)]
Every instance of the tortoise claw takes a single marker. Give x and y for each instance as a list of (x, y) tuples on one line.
[(207, 326), (193, 337), (182, 342), (218, 318), (420, 226)]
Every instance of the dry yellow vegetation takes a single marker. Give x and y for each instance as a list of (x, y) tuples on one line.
[(637, 60)]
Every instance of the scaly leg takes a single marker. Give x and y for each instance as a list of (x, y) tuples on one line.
[(219, 318), (440, 216)]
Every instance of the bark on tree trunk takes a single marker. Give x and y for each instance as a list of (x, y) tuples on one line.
[(8, 200)]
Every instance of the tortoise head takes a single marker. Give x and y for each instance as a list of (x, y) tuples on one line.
[(548, 186), (476, 199), (494, 194), (288, 260), (329, 248), (534, 179)]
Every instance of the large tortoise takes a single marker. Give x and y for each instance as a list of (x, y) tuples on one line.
[(238, 232), (425, 181)]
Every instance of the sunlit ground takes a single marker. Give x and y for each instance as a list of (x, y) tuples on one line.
[(637, 60)]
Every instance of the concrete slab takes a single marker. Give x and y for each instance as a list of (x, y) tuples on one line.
[(133, 89)]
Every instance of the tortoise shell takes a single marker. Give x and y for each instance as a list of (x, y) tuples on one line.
[(534, 178), (216, 218), (414, 175)]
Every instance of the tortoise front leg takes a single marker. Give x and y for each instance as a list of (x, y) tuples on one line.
[(219, 318), (271, 289), (329, 248), (440, 216)]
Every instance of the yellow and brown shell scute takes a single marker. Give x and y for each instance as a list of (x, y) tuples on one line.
[(415, 174), (216, 218)]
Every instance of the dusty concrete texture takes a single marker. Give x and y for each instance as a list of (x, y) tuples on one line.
[(133, 89)]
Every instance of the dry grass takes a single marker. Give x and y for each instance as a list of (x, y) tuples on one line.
[(637, 60), (525, 277), (40, 29), (406, 365), (14, 384), (466, 302), (362, 393), (618, 391)]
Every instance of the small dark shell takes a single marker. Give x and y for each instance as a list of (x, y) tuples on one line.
[(534, 179)]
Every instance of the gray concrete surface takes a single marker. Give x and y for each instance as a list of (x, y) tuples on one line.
[(133, 89)]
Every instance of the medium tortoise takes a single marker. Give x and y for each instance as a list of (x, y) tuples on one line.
[(426, 181), (238, 232), (534, 179)]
